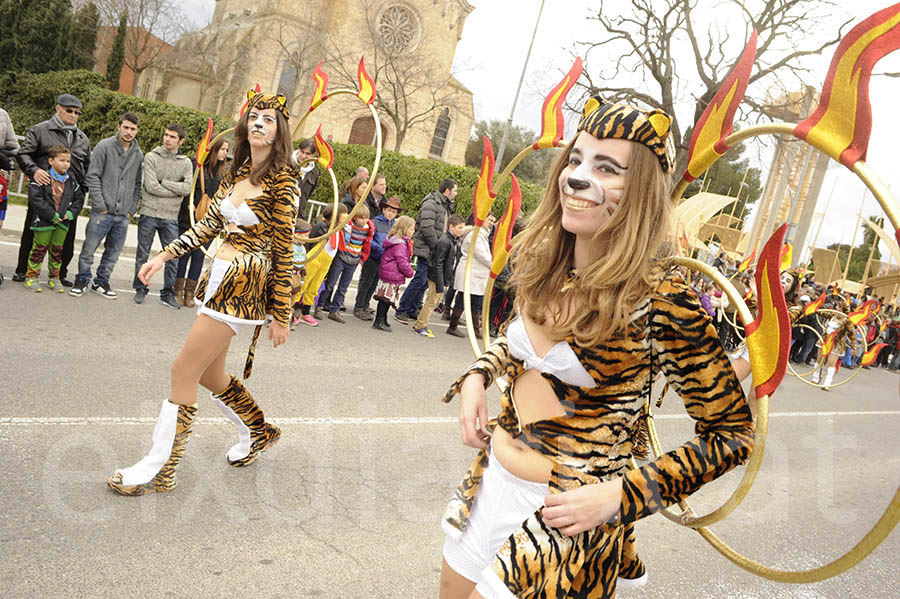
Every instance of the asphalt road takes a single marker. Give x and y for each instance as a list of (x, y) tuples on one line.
[(348, 503)]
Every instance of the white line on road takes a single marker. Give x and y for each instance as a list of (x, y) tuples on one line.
[(120, 420)]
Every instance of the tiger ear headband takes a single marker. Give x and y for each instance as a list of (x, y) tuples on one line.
[(621, 121), (262, 101)]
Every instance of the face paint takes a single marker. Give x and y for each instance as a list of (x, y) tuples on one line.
[(262, 124)]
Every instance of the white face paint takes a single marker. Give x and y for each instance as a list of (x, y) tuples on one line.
[(262, 125)]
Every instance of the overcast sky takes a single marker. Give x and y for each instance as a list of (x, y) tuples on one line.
[(495, 39)]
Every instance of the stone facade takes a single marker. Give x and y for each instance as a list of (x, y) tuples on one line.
[(409, 45)]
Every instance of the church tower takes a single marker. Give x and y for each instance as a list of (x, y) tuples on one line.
[(409, 46)]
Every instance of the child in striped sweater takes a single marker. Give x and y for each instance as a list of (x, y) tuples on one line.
[(353, 246)]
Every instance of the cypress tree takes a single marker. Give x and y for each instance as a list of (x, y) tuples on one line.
[(84, 37), (117, 55)]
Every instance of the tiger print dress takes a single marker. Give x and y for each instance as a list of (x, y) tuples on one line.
[(258, 280), (594, 442)]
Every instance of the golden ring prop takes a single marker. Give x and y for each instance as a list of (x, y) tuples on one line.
[(854, 374), (839, 128), (821, 340)]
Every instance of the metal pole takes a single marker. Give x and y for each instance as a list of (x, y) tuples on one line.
[(512, 110)]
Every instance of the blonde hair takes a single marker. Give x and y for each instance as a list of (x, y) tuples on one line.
[(362, 213), (609, 289), (401, 225)]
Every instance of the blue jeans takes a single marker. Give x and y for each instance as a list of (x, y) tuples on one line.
[(113, 228), (191, 264), (338, 280), (167, 230), (415, 291)]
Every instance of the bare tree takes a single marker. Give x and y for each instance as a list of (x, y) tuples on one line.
[(301, 49), (666, 43), (149, 21), (411, 88)]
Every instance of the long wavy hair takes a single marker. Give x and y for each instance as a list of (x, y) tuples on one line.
[(609, 289), (278, 158)]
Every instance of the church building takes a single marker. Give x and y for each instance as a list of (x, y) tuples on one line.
[(408, 47)]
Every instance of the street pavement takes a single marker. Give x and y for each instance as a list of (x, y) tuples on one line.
[(348, 504)]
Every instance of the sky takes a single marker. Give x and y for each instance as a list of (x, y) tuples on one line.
[(494, 44)]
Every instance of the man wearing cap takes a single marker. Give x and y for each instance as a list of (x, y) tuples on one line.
[(368, 278), (60, 129)]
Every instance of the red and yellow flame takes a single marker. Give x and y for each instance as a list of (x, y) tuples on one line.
[(812, 307), (828, 345), (366, 91), (552, 123), (769, 336), (716, 122), (484, 192), (860, 315), (787, 255), (841, 124), (256, 89), (747, 262), (503, 234), (870, 356), (319, 93), (326, 154), (203, 146)]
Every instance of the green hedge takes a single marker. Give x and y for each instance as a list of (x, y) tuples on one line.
[(31, 98), (411, 179)]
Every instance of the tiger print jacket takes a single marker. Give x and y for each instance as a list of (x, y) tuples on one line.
[(258, 281), (594, 442)]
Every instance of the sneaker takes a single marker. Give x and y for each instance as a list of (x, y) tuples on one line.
[(18, 278), (317, 313), (401, 317), (78, 289), (309, 320), (33, 285), (362, 314), (424, 332), (169, 300), (65, 282), (382, 326), (56, 285), (104, 290), (336, 316), (139, 297)]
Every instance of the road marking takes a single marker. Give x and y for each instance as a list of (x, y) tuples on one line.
[(124, 420)]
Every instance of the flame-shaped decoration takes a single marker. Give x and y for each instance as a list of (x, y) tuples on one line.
[(716, 122), (870, 356), (812, 307), (747, 262), (203, 146), (366, 91), (326, 154), (828, 345), (256, 89), (787, 256), (863, 313), (841, 124), (319, 93), (769, 336), (484, 192), (503, 234), (552, 123)]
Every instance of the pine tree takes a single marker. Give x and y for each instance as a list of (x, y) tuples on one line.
[(42, 27), (117, 55), (84, 37), (11, 12)]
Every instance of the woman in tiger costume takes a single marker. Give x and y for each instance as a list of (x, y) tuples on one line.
[(249, 279), (547, 508), (844, 337)]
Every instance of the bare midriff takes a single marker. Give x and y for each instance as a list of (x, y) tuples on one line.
[(241, 191), (226, 251), (534, 400)]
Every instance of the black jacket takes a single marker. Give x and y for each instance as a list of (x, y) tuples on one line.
[(431, 223), (443, 262), (40, 200), (307, 185), (33, 151), (212, 185)]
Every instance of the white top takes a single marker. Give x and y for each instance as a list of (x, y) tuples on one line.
[(560, 361), (242, 215)]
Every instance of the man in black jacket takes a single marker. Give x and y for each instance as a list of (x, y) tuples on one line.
[(440, 271), (430, 225), (60, 129)]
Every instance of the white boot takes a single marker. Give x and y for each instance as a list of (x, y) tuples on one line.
[(816, 374), (155, 472), (829, 376), (241, 449)]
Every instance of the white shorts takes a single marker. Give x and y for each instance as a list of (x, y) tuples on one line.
[(502, 503), (216, 275)]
